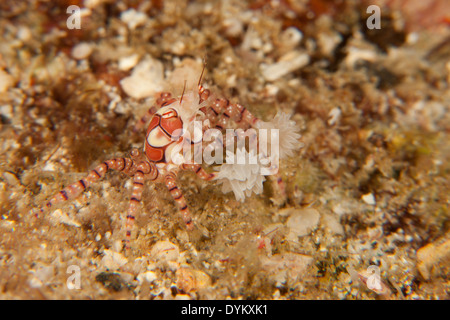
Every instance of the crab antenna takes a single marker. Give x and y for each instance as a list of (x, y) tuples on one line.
[(201, 75), (184, 88)]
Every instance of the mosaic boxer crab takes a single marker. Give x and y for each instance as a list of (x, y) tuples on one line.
[(171, 126)]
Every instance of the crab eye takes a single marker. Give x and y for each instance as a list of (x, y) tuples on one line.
[(169, 114)]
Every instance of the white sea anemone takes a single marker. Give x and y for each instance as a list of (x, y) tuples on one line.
[(288, 133), (189, 108), (242, 179)]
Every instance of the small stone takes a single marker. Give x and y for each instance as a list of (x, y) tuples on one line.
[(165, 250), (327, 42), (35, 282), (6, 110), (432, 256), (333, 224), (117, 246), (92, 3), (11, 178), (82, 51), (126, 277), (6, 81), (302, 222), (146, 79), (288, 265), (64, 218), (133, 18), (24, 33), (190, 279), (334, 116), (355, 54), (288, 63), (113, 260), (44, 273), (286, 212), (148, 276), (126, 63), (369, 199), (178, 48), (182, 297), (291, 37), (173, 266), (202, 279)]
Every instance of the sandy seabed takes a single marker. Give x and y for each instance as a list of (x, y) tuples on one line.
[(367, 192)]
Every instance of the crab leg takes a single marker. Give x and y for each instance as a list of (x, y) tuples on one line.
[(220, 112), (199, 171), (179, 199), (145, 118), (135, 200), (70, 192), (163, 98), (144, 171)]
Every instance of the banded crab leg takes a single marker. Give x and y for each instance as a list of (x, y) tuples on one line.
[(144, 171), (171, 184), (199, 171), (221, 112), (145, 118), (72, 191), (160, 101)]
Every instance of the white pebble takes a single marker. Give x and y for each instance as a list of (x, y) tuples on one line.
[(369, 199), (126, 63), (6, 81), (6, 111), (355, 54), (288, 63), (11, 178), (333, 224), (233, 26), (117, 246), (291, 37), (113, 260), (183, 297), (280, 267), (24, 33), (148, 276), (271, 90), (133, 18), (165, 250), (64, 218), (302, 222), (334, 116), (82, 51), (327, 42), (92, 3), (127, 277), (178, 47), (49, 166), (35, 282), (44, 273), (146, 79)]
